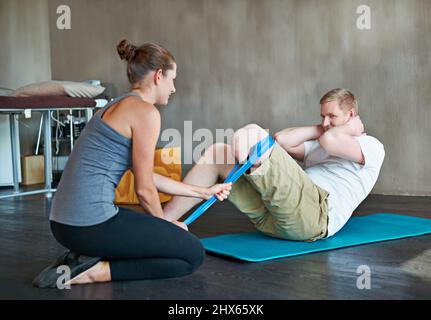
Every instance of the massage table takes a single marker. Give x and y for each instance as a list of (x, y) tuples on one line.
[(14, 106)]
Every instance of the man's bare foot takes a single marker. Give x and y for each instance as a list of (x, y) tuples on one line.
[(100, 272)]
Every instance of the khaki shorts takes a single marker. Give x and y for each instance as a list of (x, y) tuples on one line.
[(281, 200)]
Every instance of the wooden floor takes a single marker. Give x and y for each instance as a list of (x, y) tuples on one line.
[(400, 269)]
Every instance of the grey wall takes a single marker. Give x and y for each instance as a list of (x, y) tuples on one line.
[(24, 54), (269, 62)]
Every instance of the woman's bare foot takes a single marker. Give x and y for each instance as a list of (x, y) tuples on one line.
[(100, 272)]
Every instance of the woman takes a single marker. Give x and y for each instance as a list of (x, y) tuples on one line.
[(110, 243)]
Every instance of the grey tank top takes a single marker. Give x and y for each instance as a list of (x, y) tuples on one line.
[(86, 192)]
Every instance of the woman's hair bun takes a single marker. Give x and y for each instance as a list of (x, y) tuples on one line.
[(126, 50)]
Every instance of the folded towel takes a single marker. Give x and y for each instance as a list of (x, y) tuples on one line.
[(59, 88)]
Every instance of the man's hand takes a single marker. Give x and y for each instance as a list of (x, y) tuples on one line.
[(356, 126), (320, 131)]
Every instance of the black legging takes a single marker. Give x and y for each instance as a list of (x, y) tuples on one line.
[(137, 246)]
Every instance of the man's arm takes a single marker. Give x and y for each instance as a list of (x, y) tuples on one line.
[(292, 139), (340, 141)]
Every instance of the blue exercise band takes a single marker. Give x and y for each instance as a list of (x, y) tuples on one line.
[(255, 153)]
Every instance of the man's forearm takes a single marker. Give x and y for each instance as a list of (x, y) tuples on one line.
[(343, 129), (341, 143), (292, 137), (329, 139)]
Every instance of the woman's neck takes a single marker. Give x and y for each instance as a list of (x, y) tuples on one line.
[(145, 94)]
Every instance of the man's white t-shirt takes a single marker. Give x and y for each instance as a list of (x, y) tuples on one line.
[(347, 182)]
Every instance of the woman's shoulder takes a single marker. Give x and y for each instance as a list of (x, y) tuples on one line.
[(131, 113), (139, 111), (138, 107)]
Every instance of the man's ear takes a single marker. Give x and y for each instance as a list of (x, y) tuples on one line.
[(158, 76)]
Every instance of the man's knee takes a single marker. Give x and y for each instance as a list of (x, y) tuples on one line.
[(253, 126), (245, 138)]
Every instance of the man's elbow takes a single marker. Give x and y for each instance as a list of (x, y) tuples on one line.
[(281, 137), (277, 137)]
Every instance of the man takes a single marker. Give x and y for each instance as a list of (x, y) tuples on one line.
[(340, 165)]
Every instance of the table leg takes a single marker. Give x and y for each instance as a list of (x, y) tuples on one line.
[(88, 114), (14, 145), (47, 150)]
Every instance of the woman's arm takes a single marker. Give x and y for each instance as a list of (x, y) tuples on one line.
[(145, 126), (170, 186)]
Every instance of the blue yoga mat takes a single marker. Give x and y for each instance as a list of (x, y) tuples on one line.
[(256, 247)]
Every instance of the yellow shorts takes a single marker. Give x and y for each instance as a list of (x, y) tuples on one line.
[(281, 200)]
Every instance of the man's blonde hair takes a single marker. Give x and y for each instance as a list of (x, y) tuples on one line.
[(346, 100)]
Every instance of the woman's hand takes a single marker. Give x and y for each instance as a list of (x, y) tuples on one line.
[(221, 191)]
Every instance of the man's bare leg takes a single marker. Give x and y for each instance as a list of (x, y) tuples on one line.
[(214, 165), (244, 139)]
